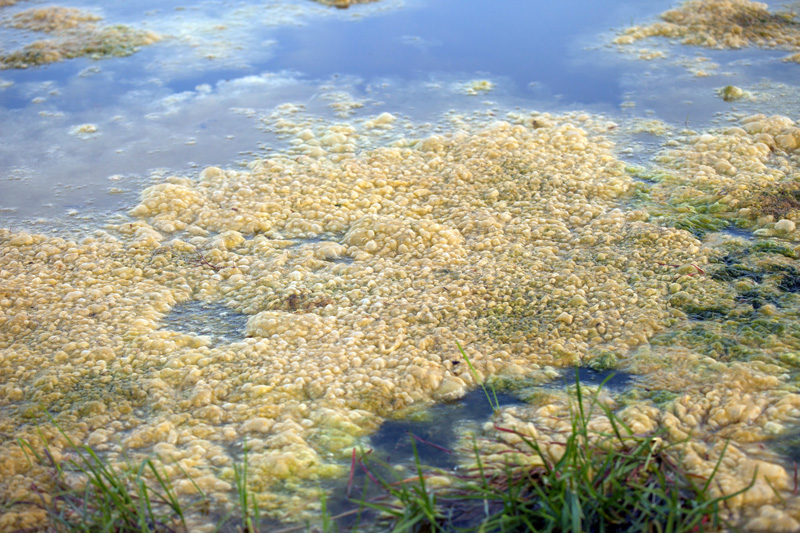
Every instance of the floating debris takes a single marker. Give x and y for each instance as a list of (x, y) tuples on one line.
[(344, 4)]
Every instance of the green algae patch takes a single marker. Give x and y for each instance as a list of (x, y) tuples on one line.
[(722, 24), (73, 33), (711, 340), (696, 216), (702, 312), (645, 174), (700, 224), (604, 361), (773, 247), (731, 93), (755, 319)]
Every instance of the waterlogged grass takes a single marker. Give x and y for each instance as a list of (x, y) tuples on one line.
[(89, 495), (608, 482), (617, 481), (102, 498), (492, 399), (248, 503)]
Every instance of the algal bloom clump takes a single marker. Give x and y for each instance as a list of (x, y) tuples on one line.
[(72, 33), (743, 176), (723, 24)]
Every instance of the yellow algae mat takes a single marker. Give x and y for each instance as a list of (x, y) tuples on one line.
[(361, 263), (360, 270)]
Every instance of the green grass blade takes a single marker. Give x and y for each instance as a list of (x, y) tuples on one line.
[(495, 405)]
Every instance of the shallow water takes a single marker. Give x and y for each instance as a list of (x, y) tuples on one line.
[(262, 315), (217, 322), (150, 114)]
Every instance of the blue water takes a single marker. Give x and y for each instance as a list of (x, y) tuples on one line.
[(526, 42), (395, 55)]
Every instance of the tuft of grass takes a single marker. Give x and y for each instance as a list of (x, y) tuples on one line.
[(248, 503), (110, 500), (619, 481), (87, 494)]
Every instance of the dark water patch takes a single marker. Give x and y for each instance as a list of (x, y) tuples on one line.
[(638, 151), (323, 237), (756, 299), (738, 232), (315, 239), (393, 441), (346, 259), (788, 445), (392, 457), (212, 319), (614, 379)]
